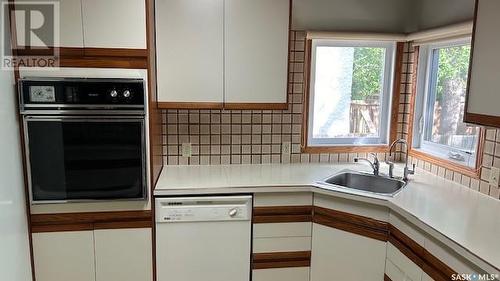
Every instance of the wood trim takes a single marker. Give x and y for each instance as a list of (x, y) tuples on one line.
[(104, 62), (116, 52), (281, 214), (90, 221), (393, 133), (62, 227), (356, 224), (431, 265), (386, 278), (255, 106), (124, 224), (345, 149), (281, 260), (396, 91), (470, 172), (481, 119), (90, 217), (190, 105)]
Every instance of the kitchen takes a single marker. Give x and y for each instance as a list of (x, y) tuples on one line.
[(250, 140)]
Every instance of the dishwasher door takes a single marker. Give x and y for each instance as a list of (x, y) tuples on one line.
[(203, 238)]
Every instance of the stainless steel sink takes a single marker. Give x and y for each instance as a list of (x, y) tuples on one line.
[(366, 182)]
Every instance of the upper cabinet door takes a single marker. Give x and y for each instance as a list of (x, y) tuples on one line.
[(483, 96), (70, 27), (256, 51), (189, 37), (114, 23)]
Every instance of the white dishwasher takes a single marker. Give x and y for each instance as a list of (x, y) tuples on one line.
[(203, 238)]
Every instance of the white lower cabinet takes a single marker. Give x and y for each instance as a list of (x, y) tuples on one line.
[(398, 267), (340, 255), (281, 274), (123, 254), (63, 256), (99, 255)]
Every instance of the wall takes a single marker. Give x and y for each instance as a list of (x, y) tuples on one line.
[(14, 247), (380, 15), (248, 136), (435, 13), (351, 15)]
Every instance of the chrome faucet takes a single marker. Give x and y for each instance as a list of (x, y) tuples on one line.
[(407, 170), (375, 165)]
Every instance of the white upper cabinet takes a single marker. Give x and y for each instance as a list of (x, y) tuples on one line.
[(256, 50), (483, 96), (189, 37), (216, 51), (70, 26), (114, 23)]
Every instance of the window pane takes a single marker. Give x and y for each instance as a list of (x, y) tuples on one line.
[(348, 92), (448, 84)]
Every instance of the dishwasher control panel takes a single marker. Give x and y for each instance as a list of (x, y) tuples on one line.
[(203, 209)]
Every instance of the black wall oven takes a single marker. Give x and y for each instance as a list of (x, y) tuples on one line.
[(85, 139)]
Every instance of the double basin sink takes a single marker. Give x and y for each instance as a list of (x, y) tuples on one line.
[(365, 182)]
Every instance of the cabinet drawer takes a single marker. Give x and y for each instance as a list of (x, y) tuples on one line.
[(281, 274), (272, 230), (283, 199), (281, 244)]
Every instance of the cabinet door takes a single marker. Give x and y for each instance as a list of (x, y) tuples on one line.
[(483, 97), (114, 23), (123, 254), (399, 267), (70, 26), (340, 255), (281, 274), (256, 51), (189, 38), (63, 256)]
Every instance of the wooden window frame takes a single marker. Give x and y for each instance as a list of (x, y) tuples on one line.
[(393, 133), (473, 172)]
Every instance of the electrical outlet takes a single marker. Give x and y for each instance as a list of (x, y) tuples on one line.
[(286, 148), (494, 176), (186, 149)]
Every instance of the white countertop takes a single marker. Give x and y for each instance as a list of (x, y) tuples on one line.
[(463, 219)]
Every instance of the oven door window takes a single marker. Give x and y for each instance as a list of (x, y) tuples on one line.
[(72, 159)]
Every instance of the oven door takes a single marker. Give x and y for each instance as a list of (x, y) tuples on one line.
[(85, 158)]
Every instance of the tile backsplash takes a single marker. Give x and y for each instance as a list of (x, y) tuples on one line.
[(258, 136)]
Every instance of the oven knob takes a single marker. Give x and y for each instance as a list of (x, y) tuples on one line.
[(126, 94), (113, 93)]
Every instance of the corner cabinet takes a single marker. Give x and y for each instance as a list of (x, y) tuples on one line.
[(98, 255), (483, 96), (234, 56)]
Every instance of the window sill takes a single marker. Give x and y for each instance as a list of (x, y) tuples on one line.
[(465, 170), (345, 149)]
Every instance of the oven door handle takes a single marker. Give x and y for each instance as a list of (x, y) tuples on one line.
[(73, 118)]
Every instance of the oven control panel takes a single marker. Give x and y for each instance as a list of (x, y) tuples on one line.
[(110, 93)]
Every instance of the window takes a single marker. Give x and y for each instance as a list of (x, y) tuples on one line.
[(350, 92), (442, 84)]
